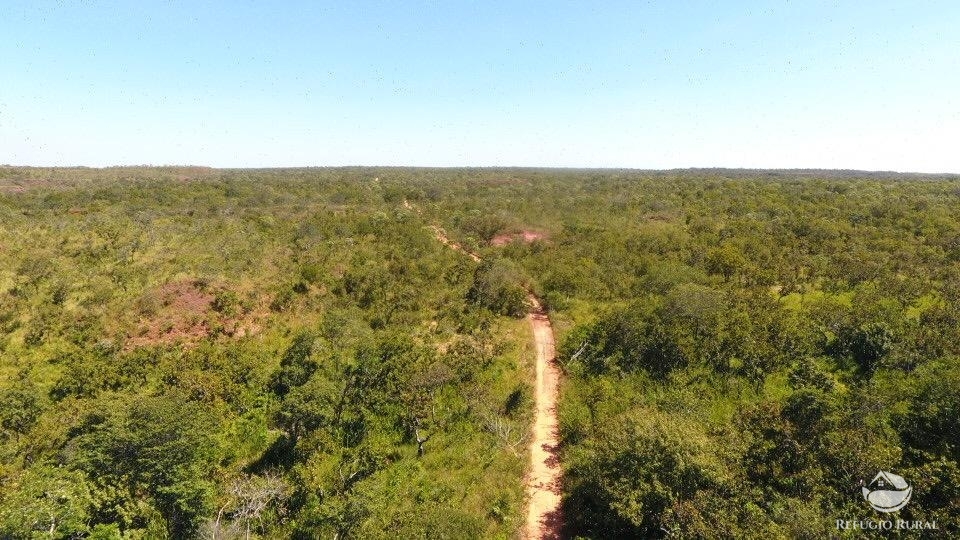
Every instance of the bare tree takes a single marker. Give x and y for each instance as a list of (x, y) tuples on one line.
[(573, 357), (420, 440), (250, 496), (506, 431)]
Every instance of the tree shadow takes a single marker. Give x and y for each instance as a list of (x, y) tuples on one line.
[(552, 526), (553, 455), (278, 455)]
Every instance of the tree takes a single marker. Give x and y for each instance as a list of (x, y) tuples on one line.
[(499, 286), (46, 501), (634, 469), (20, 406), (866, 344), (162, 447), (726, 260), (932, 421), (250, 498)]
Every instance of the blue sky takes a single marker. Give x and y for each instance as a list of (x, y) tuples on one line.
[(866, 85)]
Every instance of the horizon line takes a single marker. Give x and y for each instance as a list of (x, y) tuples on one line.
[(485, 167)]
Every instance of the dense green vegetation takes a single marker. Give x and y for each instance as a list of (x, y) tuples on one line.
[(743, 349), (199, 352), (195, 353)]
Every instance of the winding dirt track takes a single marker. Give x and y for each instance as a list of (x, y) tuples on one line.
[(544, 517)]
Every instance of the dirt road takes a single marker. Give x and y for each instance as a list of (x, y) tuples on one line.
[(544, 517), (442, 237)]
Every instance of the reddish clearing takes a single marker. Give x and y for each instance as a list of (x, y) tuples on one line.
[(182, 311), (526, 236), (174, 312)]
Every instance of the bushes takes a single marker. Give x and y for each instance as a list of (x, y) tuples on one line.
[(740, 347), (932, 421), (637, 467), (656, 335), (20, 406), (482, 226), (500, 286), (46, 501)]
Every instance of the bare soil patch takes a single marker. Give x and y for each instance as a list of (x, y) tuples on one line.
[(187, 311), (172, 313), (526, 236), (544, 512), (441, 235)]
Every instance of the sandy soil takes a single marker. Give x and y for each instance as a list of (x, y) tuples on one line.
[(544, 519), (181, 312), (178, 313)]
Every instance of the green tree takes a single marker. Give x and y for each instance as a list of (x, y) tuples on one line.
[(499, 285), (639, 465), (161, 447), (46, 501)]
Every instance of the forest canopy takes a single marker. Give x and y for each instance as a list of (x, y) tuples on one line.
[(190, 352)]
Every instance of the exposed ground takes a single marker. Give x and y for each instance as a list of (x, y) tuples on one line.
[(544, 519), (173, 312), (442, 237), (185, 312), (525, 236)]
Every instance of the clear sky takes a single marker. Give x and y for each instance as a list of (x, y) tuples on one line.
[(866, 85)]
